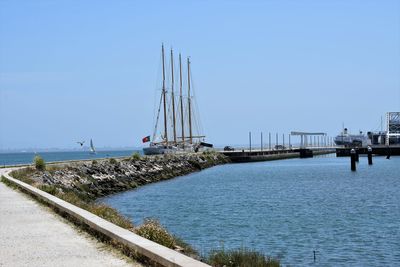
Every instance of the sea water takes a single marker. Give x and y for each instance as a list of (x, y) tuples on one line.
[(286, 209)]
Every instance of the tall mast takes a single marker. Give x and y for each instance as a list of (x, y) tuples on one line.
[(189, 104), (173, 96), (164, 96), (181, 99)]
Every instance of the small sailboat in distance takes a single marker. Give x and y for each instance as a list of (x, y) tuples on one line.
[(92, 149)]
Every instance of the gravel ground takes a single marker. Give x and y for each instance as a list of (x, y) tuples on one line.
[(32, 235)]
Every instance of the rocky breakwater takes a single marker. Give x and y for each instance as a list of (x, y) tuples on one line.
[(107, 176)]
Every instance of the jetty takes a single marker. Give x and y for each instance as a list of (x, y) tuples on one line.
[(380, 150), (311, 144), (247, 155)]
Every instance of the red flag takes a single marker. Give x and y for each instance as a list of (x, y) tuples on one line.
[(146, 139)]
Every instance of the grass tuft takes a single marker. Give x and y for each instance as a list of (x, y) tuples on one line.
[(52, 168), (24, 175), (113, 161), (185, 248), (39, 163), (136, 156), (111, 215), (51, 189), (242, 257), (154, 231)]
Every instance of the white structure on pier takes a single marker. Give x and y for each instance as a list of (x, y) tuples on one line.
[(304, 138), (392, 127)]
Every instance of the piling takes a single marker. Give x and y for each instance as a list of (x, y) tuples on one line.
[(388, 153), (369, 155), (353, 159), (250, 141), (269, 141)]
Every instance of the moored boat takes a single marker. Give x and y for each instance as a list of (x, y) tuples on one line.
[(347, 139), (180, 119)]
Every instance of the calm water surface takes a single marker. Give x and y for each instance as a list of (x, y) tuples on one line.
[(283, 208)]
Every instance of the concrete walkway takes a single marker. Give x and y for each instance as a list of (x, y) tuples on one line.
[(32, 235)]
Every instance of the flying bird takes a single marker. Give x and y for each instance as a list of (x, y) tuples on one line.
[(81, 143)]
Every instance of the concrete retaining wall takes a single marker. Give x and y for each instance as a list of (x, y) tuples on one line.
[(143, 246)]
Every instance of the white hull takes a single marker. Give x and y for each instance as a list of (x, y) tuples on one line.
[(162, 149), (348, 140), (159, 150)]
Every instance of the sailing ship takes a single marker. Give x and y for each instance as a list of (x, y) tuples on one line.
[(177, 118), (92, 149)]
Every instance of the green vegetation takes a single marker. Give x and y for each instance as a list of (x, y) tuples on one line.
[(136, 156), (7, 182), (209, 152), (51, 189), (75, 198), (185, 248), (101, 210), (110, 214), (94, 162), (241, 257), (152, 230), (39, 163), (113, 161), (24, 175), (52, 168)]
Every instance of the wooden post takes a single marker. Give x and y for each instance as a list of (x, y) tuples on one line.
[(353, 159), (369, 155)]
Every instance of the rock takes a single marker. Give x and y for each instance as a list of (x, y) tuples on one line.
[(107, 177)]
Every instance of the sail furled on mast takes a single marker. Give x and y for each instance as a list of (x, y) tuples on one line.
[(177, 104), (164, 93), (173, 96), (178, 113)]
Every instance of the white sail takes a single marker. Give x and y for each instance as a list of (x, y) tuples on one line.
[(92, 149)]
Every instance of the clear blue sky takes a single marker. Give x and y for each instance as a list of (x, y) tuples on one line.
[(72, 70)]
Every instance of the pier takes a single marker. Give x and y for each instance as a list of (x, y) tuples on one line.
[(311, 143), (380, 150), (266, 155)]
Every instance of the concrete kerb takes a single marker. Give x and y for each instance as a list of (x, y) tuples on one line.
[(160, 254)]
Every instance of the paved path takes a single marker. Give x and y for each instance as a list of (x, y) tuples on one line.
[(32, 235)]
